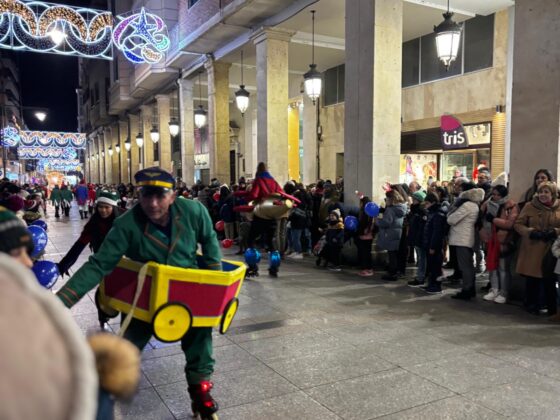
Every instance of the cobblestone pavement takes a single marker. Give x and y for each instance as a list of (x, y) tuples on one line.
[(314, 344)]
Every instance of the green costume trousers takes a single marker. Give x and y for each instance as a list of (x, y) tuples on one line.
[(196, 345)]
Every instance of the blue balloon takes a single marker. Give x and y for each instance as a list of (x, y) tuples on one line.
[(39, 238), (274, 259), (40, 223), (351, 223), (372, 209), (252, 257), (46, 272)]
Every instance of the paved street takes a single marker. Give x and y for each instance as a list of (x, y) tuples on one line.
[(320, 345)]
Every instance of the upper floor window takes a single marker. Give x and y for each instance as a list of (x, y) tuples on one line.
[(192, 3), (421, 64), (333, 85)]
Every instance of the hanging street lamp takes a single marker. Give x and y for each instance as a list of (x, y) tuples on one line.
[(127, 144), (312, 79), (242, 95), (173, 127), (117, 148), (110, 150), (200, 113), (448, 38), (139, 140), (154, 134)]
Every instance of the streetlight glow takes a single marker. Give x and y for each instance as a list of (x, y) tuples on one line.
[(40, 115)]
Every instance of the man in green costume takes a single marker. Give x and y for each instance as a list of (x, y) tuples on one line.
[(166, 230)]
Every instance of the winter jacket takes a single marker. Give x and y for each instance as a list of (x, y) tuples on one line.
[(81, 194), (66, 195), (462, 218), (335, 235), (226, 209), (504, 221), (300, 216), (56, 196), (417, 219), (535, 216), (390, 227), (434, 229)]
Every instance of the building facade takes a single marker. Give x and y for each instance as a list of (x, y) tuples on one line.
[(377, 119)]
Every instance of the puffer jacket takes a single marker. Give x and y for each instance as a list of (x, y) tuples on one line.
[(462, 218), (535, 216), (390, 227)]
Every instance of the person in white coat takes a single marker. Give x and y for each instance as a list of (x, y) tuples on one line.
[(462, 218)]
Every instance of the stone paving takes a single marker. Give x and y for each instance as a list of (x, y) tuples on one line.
[(314, 344)]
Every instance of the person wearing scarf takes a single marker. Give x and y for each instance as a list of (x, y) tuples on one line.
[(498, 217), (539, 225)]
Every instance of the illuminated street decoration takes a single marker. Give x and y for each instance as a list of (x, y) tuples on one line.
[(13, 137), (44, 165), (40, 152), (142, 37), (44, 27)]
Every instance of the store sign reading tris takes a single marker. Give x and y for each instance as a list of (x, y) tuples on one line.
[(453, 135)]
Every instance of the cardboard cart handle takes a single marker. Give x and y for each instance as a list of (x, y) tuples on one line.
[(139, 287)]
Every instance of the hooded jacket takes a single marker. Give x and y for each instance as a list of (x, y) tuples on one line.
[(390, 227), (462, 218)]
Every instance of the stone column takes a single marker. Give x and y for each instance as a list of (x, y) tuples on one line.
[(99, 159), (218, 119), (186, 109), (146, 118), (108, 158), (272, 100), (165, 161), (309, 141), (123, 159), (134, 149), (372, 123), (535, 116), (115, 158)]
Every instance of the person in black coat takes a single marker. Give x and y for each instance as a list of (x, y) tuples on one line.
[(417, 219), (433, 242)]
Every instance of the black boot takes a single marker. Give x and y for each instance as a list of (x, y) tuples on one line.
[(85, 214), (81, 215)]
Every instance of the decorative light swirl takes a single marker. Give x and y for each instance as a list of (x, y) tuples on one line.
[(142, 37), (12, 137)]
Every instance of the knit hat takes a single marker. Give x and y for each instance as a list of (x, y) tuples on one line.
[(14, 203), (13, 232), (336, 212), (502, 179), (419, 195), (108, 197)]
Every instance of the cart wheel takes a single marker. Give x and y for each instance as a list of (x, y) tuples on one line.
[(104, 309), (171, 322), (229, 313)]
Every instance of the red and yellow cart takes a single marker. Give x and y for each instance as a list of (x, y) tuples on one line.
[(174, 299)]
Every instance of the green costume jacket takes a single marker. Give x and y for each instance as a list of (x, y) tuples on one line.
[(56, 196), (134, 236), (67, 195)]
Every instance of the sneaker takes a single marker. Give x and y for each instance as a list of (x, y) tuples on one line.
[(463, 295), (453, 278), (433, 289), (295, 256), (334, 268), (492, 294), (500, 299), (366, 273), (415, 283), (441, 279)]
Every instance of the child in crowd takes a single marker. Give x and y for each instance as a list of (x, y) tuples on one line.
[(366, 231), (334, 239), (432, 242), (417, 220)]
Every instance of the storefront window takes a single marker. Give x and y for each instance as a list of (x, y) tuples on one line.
[(457, 164)]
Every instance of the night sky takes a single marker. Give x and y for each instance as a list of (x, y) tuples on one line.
[(50, 81)]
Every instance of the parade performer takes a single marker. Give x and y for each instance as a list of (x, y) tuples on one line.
[(91, 198), (56, 200), (262, 187), (95, 231), (81, 199), (67, 197), (165, 230)]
